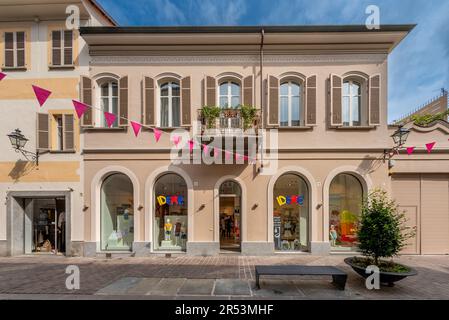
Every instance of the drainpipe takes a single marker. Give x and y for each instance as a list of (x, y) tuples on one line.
[(262, 34)]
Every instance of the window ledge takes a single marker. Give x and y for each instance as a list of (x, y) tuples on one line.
[(294, 128), (62, 151), (63, 67), (14, 69), (102, 129), (354, 127), (167, 128)]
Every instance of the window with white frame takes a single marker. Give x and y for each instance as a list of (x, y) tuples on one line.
[(108, 102), (170, 105), (14, 43), (229, 94), (62, 48), (291, 109), (351, 105)]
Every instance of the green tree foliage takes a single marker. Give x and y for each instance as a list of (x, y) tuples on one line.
[(382, 232), (426, 119)]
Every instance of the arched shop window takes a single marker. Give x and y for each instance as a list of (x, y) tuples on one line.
[(170, 217), (117, 217), (291, 213), (345, 201)]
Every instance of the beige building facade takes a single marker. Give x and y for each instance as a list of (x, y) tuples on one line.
[(41, 202), (321, 138), (289, 133)]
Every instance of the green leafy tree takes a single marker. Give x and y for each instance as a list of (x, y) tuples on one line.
[(382, 232)]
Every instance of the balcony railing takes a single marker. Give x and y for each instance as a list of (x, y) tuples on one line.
[(229, 122)]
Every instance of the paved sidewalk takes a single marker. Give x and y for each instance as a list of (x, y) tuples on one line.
[(218, 277)]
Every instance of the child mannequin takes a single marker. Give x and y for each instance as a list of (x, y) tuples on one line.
[(333, 235)]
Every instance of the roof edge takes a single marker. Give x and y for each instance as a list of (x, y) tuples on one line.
[(104, 13), (245, 29)]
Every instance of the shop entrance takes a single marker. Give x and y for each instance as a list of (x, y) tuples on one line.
[(230, 216), (45, 226)]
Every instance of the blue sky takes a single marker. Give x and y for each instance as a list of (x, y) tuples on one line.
[(418, 67)]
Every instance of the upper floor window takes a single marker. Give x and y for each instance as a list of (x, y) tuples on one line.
[(229, 94), (62, 48), (109, 101), (170, 104), (14, 49), (291, 107), (352, 102)]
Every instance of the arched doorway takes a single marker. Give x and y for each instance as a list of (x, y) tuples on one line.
[(291, 212), (116, 213), (345, 203), (170, 213), (230, 216)]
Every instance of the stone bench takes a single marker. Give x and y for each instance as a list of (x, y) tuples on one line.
[(338, 276)]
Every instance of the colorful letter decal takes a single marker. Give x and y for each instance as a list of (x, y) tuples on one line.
[(283, 200), (170, 200)]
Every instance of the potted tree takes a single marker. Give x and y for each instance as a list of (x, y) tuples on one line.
[(382, 234)]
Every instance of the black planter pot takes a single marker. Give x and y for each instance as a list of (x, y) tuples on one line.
[(388, 278)]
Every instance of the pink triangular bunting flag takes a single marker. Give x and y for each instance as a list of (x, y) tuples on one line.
[(136, 127), (245, 158), (410, 150), (205, 149), (176, 140), (80, 108), (157, 134), (215, 152), (227, 154), (429, 146), (110, 118), (237, 157), (41, 94), (2, 75)]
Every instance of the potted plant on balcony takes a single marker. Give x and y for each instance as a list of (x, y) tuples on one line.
[(210, 114), (248, 114), (382, 234)]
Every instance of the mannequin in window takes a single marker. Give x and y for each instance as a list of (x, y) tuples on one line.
[(287, 229), (178, 225), (168, 230)]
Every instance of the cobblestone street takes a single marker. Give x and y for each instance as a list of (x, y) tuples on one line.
[(219, 277)]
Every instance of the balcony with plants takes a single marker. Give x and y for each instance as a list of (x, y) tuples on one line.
[(242, 120)]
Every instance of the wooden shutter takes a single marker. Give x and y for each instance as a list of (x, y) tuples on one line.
[(69, 131), (43, 135), (86, 97), (68, 47), (311, 100), (123, 101), (9, 49), (56, 47), (374, 100), (273, 101), (210, 91), (248, 91), (148, 95), (185, 102), (20, 49), (336, 100)]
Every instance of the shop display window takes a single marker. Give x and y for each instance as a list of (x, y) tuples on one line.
[(117, 217), (170, 218), (345, 201), (291, 213)]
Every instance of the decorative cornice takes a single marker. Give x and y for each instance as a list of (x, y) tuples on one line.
[(231, 59)]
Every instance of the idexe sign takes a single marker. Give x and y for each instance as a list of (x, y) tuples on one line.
[(290, 200), (170, 200)]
